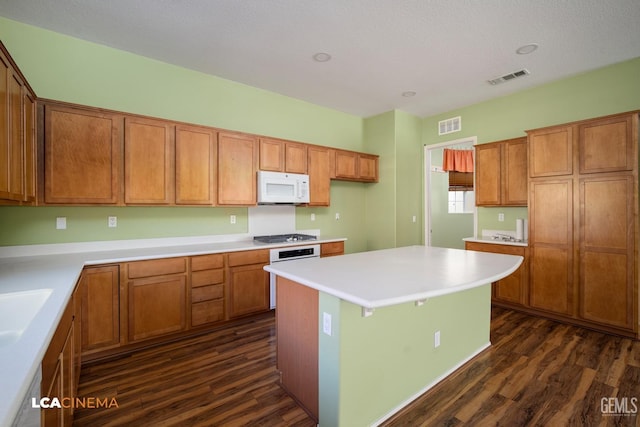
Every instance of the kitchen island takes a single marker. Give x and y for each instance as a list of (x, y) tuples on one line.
[(362, 335)]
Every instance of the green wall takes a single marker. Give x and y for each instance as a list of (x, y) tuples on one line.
[(68, 69), (609, 90), (395, 343), (409, 181), (396, 199)]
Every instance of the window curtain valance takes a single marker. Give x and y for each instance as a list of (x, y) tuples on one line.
[(457, 160)]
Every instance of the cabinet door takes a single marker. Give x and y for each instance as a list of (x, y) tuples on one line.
[(148, 162), (551, 151), (295, 159), (488, 179), (607, 145), (196, 155), (319, 176), (551, 238), (16, 142), (100, 317), (83, 153), (53, 417), (271, 155), (237, 167), (607, 250), (367, 168), (514, 173), (5, 73), (248, 290), (346, 163), (157, 306), (29, 126)]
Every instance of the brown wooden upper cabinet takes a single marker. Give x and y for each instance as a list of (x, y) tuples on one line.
[(237, 167), (551, 151), (501, 173), (97, 157), (606, 145), (17, 135), (196, 157), (319, 175), (283, 156), (354, 166), (82, 156), (148, 161)]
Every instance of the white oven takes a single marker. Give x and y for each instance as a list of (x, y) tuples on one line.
[(290, 253)]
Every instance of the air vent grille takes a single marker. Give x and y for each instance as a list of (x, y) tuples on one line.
[(509, 76), (451, 125)]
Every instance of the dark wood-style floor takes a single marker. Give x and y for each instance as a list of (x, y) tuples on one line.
[(537, 373)]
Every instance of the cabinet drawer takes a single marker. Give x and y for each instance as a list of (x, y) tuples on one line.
[(207, 277), (207, 262), (495, 248), (207, 312), (205, 293), (156, 267), (333, 248), (249, 257)]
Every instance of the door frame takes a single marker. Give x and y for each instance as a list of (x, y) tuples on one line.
[(427, 184)]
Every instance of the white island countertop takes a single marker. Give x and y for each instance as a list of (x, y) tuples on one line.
[(394, 276)]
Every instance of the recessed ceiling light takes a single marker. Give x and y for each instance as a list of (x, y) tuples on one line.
[(321, 57), (527, 49), (408, 94)]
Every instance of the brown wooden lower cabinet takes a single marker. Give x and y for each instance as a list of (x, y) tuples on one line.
[(58, 371), (207, 289), (156, 293), (99, 290), (514, 288), (248, 282), (131, 305), (331, 249)]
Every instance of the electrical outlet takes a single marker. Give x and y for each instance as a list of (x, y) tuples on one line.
[(501, 217), (232, 219), (112, 221), (313, 217), (326, 323), (61, 223), (436, 339), (413, 219)]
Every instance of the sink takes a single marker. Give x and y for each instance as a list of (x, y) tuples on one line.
[(17, 310)]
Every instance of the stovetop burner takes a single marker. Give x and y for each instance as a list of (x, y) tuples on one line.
[(284, 238)]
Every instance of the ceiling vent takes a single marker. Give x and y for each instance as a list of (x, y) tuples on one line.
[(508, 77), (451, 125)]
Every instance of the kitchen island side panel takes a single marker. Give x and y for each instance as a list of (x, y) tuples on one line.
[(373, 366)]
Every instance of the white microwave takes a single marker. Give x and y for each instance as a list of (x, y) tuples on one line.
[(282, 188)]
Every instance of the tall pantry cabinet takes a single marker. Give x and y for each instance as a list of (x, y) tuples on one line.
[(583, 212)]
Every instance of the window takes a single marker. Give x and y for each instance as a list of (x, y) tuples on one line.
[(461, 194), (461, 201)]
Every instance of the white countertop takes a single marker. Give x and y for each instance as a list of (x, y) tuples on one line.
[(394, 276), (495, 241), (59, 273)]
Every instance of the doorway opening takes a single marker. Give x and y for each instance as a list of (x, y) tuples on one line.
[(449, 216)]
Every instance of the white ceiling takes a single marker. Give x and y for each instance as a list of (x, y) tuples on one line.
[(444, 50)]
